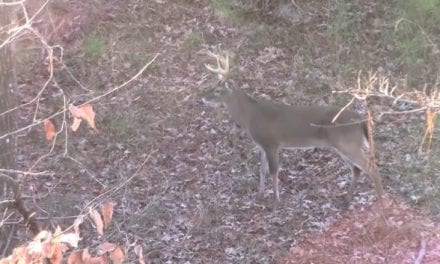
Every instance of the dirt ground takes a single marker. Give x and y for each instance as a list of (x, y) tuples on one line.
[(193, 195)]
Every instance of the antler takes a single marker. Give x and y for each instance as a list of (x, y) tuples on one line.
[(222, 64)]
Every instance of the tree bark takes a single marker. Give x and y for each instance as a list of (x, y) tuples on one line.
[(8, 85)]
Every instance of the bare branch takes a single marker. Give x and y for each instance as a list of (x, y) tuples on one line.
[(39, 122)]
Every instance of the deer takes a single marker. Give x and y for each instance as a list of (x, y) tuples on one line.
[(275, 126)]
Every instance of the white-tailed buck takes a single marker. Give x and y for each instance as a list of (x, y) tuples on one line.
[(275, 126)]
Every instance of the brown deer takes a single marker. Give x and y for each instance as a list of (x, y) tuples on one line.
[(274, 126)]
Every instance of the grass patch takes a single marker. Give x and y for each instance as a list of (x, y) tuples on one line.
[(94, 46), (118, 126), (343, 22), (194, 40), (341, 100), (227, 10), (262, 37), (414, 34)]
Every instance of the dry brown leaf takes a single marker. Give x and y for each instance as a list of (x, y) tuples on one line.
[(49, 129), (106, 247), (58, 231), (107, 213), (71, 239), (117, 256), (97, 260), (20, 255), (84, 112), (64, 247), (47, 249), (85, 254), (57, 256), (96, 217), (37, 247), (139, 254), (75, 124), (87, 259), (90, 114), (75, 258)]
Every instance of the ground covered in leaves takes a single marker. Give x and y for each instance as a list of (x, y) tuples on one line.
[(183, 178)]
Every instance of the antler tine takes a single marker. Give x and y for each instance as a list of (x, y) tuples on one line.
[(222, 64)]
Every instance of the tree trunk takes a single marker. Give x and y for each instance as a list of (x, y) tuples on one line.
[(8, 85)]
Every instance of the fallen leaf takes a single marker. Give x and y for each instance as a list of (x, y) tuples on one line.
[(85, 254), (47, 249), (71, 239), (107, 213), (87, 259), (75, 124), (20, 255), (117, 256), (84, 112), (139, 254), (57, 256), (96, 217), (49, 129), (75, 258), (106, 247), (96, 260)]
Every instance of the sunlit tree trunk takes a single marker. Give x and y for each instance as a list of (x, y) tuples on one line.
[(8, 86)]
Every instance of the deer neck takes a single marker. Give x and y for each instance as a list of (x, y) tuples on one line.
[(240, 106)]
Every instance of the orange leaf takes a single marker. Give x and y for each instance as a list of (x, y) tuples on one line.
[(47, 249), (84, 112), (117, 256), (96, 217), (96, 260), (49, 129), (85, 254), (57, 256), (107, 213), (75, 124), (106, 247), (20, 255), (58, 231), (87, 259), (63, 246), (75, 258), (139, 254)]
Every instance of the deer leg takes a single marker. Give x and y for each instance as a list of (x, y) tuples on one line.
[(360, 160), (272, 158), (264, 169), (355, 175)]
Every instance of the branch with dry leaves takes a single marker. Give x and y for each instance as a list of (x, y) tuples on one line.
[(18, 204), (422, 100), (56, 246)]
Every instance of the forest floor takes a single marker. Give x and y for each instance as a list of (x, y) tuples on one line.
[(193, 195)]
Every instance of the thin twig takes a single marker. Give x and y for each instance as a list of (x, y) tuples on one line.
[(39, 122), (342, 109), (26, 172), (90, 205), (422, 252)]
